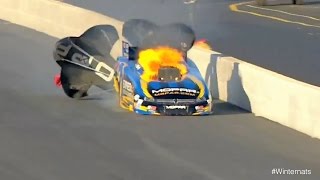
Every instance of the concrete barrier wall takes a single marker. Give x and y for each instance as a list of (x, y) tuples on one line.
[(267, 94), (278, 98)]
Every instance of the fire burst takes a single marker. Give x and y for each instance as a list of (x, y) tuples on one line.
[(203, 44), (152, 60)]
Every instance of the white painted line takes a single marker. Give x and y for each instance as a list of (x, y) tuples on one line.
[(234, 7), (284, 12)]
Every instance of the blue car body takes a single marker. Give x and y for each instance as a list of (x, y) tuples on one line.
[(187, 96)]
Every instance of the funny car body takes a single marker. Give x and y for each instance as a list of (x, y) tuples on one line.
[(152, 75)]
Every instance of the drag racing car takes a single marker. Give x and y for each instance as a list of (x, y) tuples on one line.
[(152, 75)]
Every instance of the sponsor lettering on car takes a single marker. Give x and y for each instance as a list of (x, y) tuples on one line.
[(179, 91), (176, 107), (127, 86)]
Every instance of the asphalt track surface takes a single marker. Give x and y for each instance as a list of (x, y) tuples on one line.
[(46, 136), (310, 8), (289, 49)]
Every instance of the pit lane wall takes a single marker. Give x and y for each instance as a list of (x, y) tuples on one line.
[(273, 96)]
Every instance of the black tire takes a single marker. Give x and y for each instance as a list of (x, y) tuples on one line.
[(72, 92)]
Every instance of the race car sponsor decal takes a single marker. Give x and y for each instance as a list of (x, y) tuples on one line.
[(127, 88), (172, 107), (125, 49), (177, 91), (75, 54)]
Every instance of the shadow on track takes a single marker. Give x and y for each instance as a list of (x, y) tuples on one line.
[(235, 91)]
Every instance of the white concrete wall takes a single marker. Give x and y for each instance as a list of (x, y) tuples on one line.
[(278, 98), (267, 94)]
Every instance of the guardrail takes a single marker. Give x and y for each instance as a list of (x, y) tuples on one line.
[(281, 99)]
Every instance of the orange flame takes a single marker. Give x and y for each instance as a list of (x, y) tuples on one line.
[(152, 59), (203, 44)]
